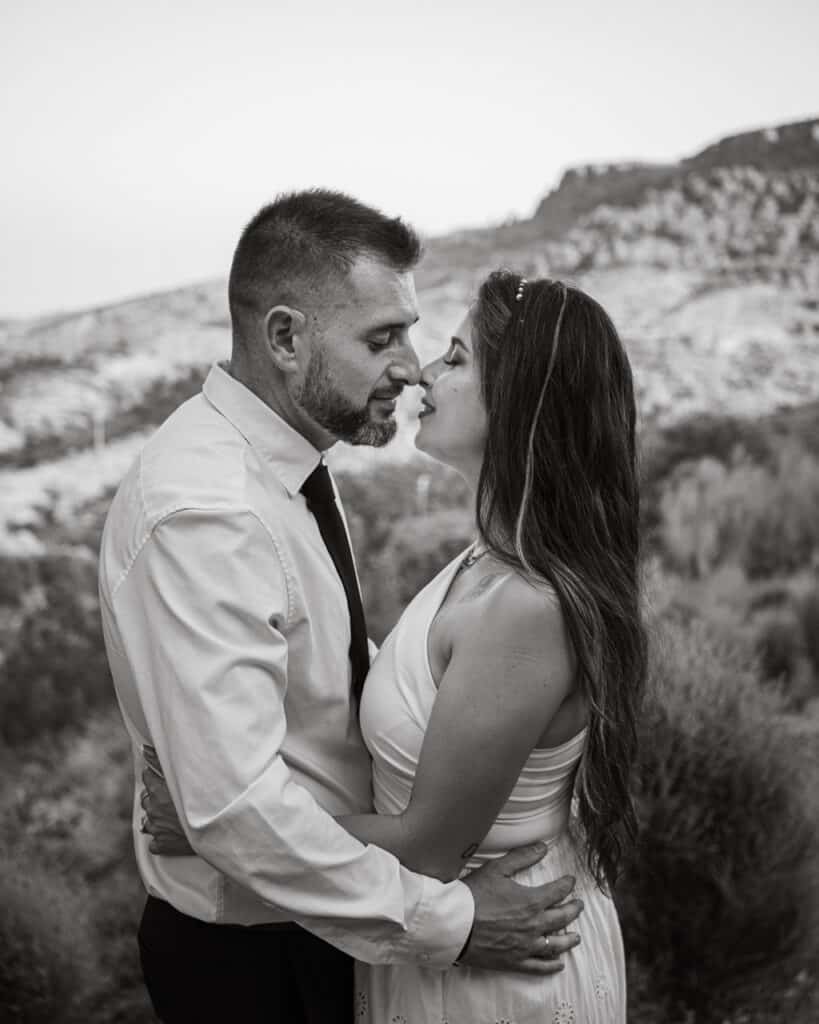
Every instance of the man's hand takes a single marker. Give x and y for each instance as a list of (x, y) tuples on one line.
[(519, 927), (160, 819)]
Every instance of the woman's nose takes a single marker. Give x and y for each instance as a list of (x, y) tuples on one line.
[(429, 373)]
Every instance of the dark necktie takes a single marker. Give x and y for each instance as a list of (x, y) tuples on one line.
[(321, 500)]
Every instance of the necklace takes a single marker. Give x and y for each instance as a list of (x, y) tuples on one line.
[(472, 556)]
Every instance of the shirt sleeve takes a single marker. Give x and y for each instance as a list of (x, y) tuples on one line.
[(201, 613)]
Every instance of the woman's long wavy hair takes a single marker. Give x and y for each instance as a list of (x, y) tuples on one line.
[(558, 498)]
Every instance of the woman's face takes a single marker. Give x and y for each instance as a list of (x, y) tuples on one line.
[(452, 422)]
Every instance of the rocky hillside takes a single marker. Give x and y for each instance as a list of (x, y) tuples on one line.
[(710, 268)]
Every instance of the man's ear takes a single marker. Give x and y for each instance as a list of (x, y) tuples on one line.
[(282, 325)]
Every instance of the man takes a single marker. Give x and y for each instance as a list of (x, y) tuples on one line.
[(234, 631)]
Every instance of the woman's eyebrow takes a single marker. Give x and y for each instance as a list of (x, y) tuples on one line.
[(458, 343)]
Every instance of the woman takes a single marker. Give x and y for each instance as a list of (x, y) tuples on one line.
[(514, 678)]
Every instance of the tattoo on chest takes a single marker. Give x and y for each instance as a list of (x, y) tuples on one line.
[(467, 853)]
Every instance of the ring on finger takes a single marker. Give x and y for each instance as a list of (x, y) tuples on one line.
[(143, 825)]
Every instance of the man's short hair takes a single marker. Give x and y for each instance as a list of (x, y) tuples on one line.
[(301, 240)]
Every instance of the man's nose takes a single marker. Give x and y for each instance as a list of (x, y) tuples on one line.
[(405, 368), (430, 373)]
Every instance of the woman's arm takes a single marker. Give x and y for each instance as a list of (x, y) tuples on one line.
[(509, 673)]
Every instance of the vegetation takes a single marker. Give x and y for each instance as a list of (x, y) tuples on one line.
[(44, 945), (717, 902)]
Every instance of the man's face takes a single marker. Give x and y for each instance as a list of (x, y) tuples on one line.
[(360, 356)]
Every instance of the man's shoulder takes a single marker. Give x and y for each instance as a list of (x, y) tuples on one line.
[(198, 459), (195, 461)]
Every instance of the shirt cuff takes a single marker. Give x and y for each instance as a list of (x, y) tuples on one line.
[(442, 923)]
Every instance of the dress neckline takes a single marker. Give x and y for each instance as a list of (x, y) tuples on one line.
[(448, 573)]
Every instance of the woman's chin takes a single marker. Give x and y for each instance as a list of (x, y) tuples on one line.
[(425, 444), (421, 441)]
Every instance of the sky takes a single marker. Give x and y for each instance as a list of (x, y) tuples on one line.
[(139, 138)]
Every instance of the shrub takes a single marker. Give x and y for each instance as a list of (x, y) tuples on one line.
[(809, 620), (374, 500), (776, 544), (690, 526), (778, 645), (17, 576), (417, 548), (780, 529), (720, 896), (762, 516), (71, 879), (53, 667), (45, 945)]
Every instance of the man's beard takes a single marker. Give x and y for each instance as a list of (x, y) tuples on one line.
[(324, 403)]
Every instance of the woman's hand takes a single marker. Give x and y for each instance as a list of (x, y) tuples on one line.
[(160, 819)]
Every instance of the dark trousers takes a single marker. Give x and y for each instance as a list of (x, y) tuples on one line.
[(199, 972)]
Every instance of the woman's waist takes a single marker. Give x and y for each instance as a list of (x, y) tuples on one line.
[(520, 826), (519, 822), (510, 834), (565, 855)]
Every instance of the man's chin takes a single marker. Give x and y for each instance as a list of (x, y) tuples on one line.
[(374, 435)]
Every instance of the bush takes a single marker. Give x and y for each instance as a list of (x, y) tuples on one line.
[(761, 516), (54, 667), (778, 645), (69, 890), (374, 500), (45, 966), (719, 899), (809, 620), (417, 548)]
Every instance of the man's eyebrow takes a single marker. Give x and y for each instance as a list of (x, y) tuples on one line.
[(397, 325)]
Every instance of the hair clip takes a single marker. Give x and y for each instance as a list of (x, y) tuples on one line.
[(521, 286)]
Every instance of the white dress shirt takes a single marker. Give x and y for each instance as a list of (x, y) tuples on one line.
[(228, 634)]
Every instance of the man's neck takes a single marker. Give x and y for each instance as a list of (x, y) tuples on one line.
[(274, 395)]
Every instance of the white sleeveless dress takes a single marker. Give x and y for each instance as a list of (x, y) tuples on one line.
[(395, 709)]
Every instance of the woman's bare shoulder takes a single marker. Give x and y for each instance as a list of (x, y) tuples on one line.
[(504, 607)]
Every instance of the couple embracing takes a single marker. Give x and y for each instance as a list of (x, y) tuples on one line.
[(330, 834)]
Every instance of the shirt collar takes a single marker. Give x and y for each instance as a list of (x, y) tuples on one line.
[(290, 454)]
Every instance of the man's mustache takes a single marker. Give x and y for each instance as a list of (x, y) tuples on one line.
[(391, 394)]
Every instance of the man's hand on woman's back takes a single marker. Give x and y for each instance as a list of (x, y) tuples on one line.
[(520, 927)]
